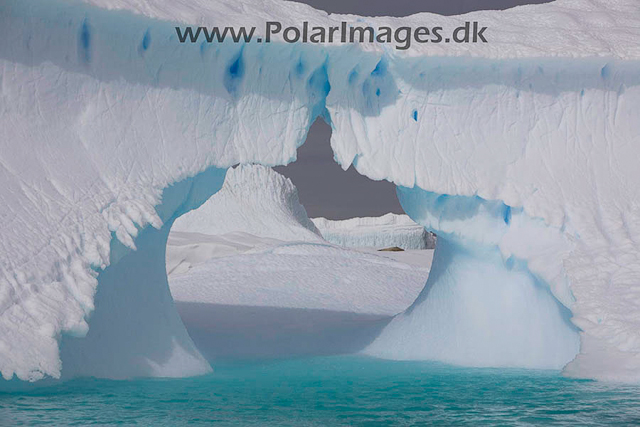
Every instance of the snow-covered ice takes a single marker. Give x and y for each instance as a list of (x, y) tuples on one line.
[(102, 112), (303, 275), (292, 298), (225, 252), (256, 200)]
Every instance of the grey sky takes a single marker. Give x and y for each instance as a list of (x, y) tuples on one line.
[(324, 188), (409, 7)]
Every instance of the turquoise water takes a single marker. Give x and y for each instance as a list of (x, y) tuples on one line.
[(331, 391)]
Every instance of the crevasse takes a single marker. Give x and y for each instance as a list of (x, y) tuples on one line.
[(101, 110)]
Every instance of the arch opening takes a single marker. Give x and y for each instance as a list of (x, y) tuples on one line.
[(285, 262)]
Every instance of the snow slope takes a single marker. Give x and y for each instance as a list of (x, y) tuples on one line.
[(186, 249), (303, 275), (376, 232), (101, 110)]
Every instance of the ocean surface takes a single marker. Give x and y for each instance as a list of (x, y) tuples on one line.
[(326, 391)]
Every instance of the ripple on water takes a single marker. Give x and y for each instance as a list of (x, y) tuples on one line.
[(331, 391)]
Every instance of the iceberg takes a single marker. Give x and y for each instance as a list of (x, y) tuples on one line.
[(256, 208), (520, 154), (254, 199), (376, 232)]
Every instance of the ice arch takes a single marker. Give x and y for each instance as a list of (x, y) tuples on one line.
[(101, 110), (135, 329)]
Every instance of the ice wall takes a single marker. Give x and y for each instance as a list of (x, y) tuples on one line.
[(101, 109), (376, 232)]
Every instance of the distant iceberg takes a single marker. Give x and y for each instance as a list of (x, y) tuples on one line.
[(376, 232)]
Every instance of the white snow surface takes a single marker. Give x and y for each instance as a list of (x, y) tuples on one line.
[(186, 249), (376, 232), (303, 275), (101, 109), (256, 200)]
